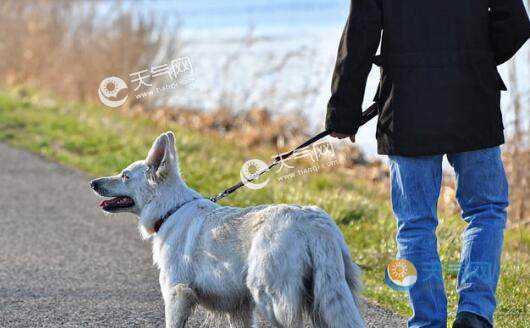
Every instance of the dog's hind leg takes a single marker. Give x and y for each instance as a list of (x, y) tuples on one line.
[(243, 317), (276, 285), (280, 313), (179, 303)]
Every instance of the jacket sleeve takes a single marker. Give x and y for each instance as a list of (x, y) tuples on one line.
[(509, 28), (357, 48)]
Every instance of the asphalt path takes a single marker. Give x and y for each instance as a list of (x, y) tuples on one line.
[(63, 263)]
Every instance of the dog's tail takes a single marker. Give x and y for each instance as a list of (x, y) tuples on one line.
[(336, 283)]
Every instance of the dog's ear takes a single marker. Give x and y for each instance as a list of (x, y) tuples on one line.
[(160, 159), (172, 148)]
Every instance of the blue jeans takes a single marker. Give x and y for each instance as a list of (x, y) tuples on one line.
[(482, 193)]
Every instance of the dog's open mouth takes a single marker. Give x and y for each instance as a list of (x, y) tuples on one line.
[(116, 203)]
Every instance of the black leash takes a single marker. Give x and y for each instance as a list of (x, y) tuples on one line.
[(367, 115)]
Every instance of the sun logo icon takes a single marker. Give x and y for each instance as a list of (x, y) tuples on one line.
[(250, 172), (109, 89), (400, 274)]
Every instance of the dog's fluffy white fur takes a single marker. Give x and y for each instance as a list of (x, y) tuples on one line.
[(281, 260)]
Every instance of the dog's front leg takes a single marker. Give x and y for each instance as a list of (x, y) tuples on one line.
[(179, 303)]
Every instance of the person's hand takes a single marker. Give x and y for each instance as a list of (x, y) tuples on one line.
[(343, 135)]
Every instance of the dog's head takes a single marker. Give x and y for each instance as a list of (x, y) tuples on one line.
[(134, 187)]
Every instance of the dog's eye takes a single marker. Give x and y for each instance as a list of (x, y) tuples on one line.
[(125, 177)]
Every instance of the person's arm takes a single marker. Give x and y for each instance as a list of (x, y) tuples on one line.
[(357, 48), (509, 28)]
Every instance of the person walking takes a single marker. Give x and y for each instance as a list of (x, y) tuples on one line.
[(439, 94)]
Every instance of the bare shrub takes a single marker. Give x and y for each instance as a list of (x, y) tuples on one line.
[(517, 150), (68, 47), (251, 128)]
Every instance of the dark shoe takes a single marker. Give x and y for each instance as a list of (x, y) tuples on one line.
[(470, 320)]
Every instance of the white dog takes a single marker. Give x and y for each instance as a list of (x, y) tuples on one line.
[(284, 260)]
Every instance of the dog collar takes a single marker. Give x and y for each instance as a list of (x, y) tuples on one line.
[(159, 222)]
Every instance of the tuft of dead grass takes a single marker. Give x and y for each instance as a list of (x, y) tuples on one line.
[(68, 47)]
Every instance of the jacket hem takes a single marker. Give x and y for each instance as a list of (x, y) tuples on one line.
[(429, 151)]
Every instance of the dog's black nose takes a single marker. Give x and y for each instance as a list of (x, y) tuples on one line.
[(94, 184)]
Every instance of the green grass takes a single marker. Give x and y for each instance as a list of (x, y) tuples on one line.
[(102, 141)]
